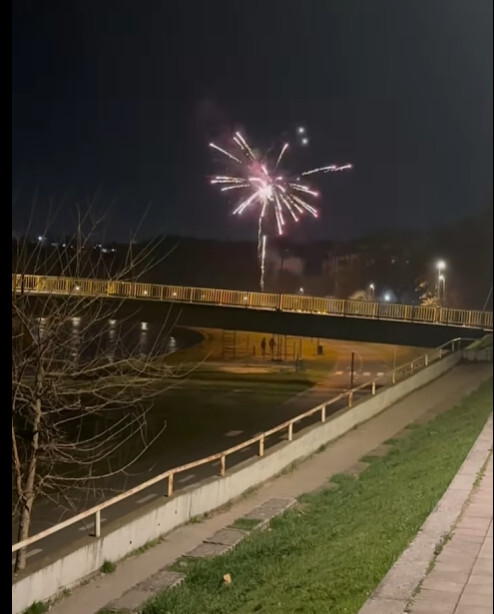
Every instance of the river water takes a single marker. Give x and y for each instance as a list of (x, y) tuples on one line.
[(115, 339)]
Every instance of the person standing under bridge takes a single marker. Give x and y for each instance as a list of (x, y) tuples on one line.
[(272, 344)]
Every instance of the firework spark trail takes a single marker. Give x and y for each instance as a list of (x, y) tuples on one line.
[(303, 188), (265, 190), (263, 259), (226, 153), (239, 139), (328, 169), (283, 149)]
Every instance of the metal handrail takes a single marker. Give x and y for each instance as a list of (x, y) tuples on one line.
[(397, 374), (38, 284)]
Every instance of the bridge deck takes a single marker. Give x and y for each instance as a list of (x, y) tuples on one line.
[(263, 301)]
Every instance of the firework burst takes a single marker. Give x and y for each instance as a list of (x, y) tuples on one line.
[(263, 187)]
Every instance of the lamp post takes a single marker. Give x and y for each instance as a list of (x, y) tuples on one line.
[(442, 285), (372, 289), (441, 281)]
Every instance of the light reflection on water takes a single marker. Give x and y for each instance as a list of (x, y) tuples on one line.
[(114, 338), (75, 341)]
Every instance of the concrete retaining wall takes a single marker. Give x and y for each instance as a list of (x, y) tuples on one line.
[(482, 355), (119, 541)]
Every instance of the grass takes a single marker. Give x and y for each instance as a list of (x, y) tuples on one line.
[(330, 555), (108, 567), (37, 607), (484, 342)]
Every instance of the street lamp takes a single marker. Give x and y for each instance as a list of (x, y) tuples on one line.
[(441, 280), (372, 288), (442, 286), (387, 297)]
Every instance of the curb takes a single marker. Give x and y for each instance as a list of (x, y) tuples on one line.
[(396, 589), (224, 540)]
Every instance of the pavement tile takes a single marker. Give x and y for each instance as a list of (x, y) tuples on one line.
[(477, 599), (470, 535), (160, 580), (460, 549), (432, 596), (456, 556), (432, 607), (205, 550), (130, 600), (455, 570), (227, 537), (480, 579), (473, 609), (482, 567), (477, 589), (480, 511), (383, 606), (474, 523), (441, 585)]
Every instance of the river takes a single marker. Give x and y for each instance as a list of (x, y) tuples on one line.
[(115, 339)]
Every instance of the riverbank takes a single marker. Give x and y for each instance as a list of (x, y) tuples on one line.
[(328, 553), (312, 475)]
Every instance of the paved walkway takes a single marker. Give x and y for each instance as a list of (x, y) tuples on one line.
[(461, 580), (342, 455)]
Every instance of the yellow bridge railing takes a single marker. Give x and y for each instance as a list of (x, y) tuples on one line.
[(38, 284)]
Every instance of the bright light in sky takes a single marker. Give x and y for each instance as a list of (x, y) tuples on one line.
[(301, 130)]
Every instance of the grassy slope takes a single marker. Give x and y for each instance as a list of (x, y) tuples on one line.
[(330, 553)]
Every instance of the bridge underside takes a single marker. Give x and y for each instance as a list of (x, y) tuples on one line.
[(287, 323), (296, 324)]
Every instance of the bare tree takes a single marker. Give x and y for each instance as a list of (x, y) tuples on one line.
[(82, 389)]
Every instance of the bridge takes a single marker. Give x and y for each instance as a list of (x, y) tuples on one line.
[(275, 313)]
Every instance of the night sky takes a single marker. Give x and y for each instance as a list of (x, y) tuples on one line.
[(116, 101)]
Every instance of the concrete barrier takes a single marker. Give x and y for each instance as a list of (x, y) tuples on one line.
[(133, 531), (474, 355)]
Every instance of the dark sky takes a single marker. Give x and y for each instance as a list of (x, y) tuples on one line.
[(116, 101)]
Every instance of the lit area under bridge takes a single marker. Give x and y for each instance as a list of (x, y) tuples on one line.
[(288, 314)]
